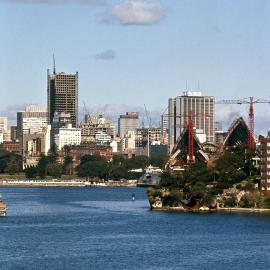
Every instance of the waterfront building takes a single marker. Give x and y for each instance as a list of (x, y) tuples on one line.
[(67, 135), (128, 122), (31, 121), (78, 151), (200, 108), (62, 95), (34, 145), (265, 164)]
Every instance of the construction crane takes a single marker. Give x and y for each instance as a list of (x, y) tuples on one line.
[(251, 101), (148, 116)]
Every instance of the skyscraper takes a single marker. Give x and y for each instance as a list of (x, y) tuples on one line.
[(128, 122), (62, 95), (202, 110), (31, 121)]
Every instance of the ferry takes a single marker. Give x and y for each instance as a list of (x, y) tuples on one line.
[(3, 208)]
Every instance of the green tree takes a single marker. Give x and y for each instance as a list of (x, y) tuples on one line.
[(42, 166), (10, 162), (13, 167), (54, 169), (68, 164), (31, 172), (138, 162), (53, 153), (92, 166), (159, 161)]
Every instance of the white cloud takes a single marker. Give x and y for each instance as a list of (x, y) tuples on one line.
[(106, 55), (226, 115), (131, 12)]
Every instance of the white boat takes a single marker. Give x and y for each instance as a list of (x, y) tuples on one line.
[(3, 208)]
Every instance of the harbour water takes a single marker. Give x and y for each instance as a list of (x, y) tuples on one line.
[(103, 228)]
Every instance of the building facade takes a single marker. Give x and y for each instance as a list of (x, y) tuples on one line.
[(128, 122), (62, 95), (265, 164), (33, 120), (3, 124), (67, 136), (200, 108), (165, 128), (96, 124), (145, 137)]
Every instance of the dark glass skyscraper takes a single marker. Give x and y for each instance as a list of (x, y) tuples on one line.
[(63, 95)]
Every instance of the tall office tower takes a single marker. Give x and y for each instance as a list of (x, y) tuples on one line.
[(3, 124), (128, 122), (164, 128), (13, 133), (202, 110), (62, 94), (33, 120)]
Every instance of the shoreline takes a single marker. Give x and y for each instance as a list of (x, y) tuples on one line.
[(62, 183), (219, 210)]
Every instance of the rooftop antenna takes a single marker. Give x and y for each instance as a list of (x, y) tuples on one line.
[(198, 85), (186, 85), (54, 70)]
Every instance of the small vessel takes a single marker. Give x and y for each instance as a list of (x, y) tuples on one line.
[(3, 208), (133, 197)]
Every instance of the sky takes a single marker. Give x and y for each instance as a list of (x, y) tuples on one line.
[(137, 52)]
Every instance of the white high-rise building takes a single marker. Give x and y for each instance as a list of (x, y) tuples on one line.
[(202, 110), (67, 136), (3, 124)]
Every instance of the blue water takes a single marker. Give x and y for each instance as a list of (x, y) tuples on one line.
[(101, 228)]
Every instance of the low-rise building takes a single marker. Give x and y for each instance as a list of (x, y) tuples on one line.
[(78, 151), (34, 145), (265, 164), (13, 147)]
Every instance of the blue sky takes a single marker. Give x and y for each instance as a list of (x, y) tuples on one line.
[(136, 52)]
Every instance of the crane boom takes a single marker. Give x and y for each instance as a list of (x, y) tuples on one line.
[(251, 102)]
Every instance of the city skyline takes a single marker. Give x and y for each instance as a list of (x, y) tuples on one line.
[(223, 45)]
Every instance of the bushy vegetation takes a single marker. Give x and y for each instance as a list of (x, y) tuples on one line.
[(92, 166), (119, 168), (201, 183), (10, 163)]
